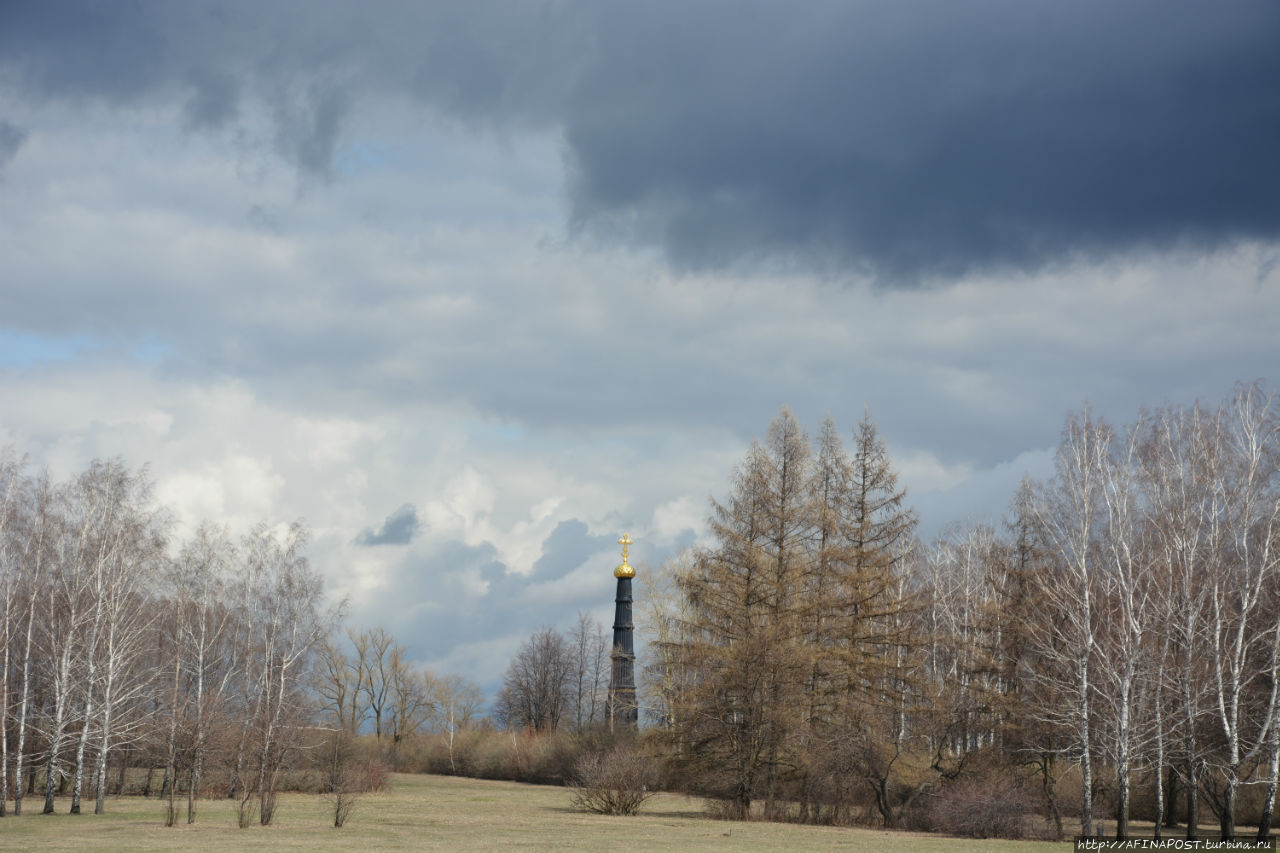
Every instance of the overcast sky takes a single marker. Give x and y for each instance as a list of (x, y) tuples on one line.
[(475, 287)]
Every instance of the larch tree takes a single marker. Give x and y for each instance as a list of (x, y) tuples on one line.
[(877, 604), (789, 648), (825, 588), (748, 651)]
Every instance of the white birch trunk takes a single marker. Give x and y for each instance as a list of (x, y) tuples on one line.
[(90, 678), (8, 571), (20, 755)]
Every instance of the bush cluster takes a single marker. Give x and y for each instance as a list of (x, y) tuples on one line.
[(990, 807), (486, 753), (616, 782)]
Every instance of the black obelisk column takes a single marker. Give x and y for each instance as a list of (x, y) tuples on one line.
[(621, 708)]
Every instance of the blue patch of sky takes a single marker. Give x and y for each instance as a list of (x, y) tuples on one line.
[(362, 156), (494, 432), (151, 350), (25, 349)]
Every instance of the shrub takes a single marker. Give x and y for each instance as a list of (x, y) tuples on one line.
[(982, 808), (616, 782), (371, 775), (552, 759), (724, 809), (345, 768)]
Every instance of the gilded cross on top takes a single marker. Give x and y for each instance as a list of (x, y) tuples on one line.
[(625, 570)]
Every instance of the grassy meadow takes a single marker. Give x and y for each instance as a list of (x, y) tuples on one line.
[(448, 813)]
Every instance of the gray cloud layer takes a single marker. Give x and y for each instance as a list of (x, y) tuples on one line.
[(907, 141), (11, 139), (437, 608), (308, 258), (399, 528)]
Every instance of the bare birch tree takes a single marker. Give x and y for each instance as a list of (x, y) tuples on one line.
[(1069, 511), (293, 624), (1245, 636), (202, 646), (1126, 593), (121, 559), (12, 488), (69, 612), (590, 650), (1180, 458), (39, 531), (664, 627), (455, 705)]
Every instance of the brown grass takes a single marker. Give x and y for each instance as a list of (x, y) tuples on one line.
[(447, 813)]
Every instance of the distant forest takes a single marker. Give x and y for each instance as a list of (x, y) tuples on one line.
[(1110, 650)]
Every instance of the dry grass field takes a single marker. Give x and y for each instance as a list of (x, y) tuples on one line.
[(445, 813)]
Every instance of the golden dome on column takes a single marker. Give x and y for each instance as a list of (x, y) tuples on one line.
[(625, 570)]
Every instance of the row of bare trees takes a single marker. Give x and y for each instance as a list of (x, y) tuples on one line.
[(115, 651), (1124, 623), (369, 684), (1157, 564), (78, 559), (557, 682)]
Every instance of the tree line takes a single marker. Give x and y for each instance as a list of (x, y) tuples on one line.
[(1121, 628), (557, 681), (1115, 640), (213, 665), (117, 653), (368, 685)]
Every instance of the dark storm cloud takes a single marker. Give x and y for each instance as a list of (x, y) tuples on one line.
[(116, 51), (905, 140), (213, 101), (307, 129), (918, 139), (568, 547), (11, 139), (399, 528)]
